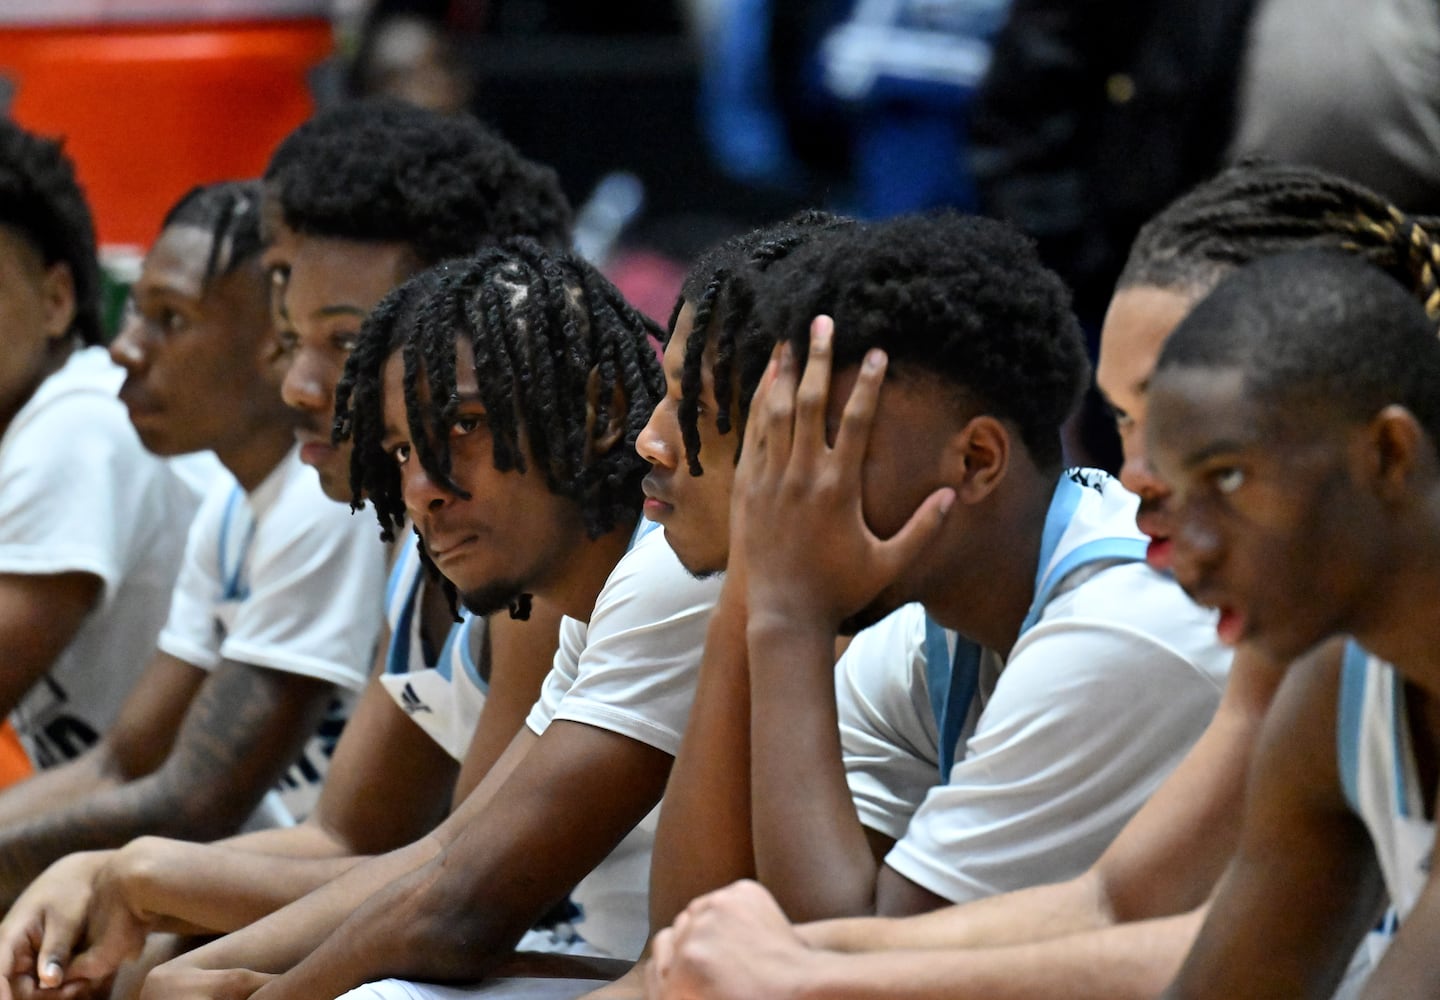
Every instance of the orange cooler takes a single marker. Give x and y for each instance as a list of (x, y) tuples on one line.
[(156, 96)]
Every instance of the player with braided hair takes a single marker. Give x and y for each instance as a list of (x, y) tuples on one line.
[(355, 201), (494, 404), (1123, 927)]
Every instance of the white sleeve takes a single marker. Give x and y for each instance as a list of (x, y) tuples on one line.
[(190, 631), (317, 584), (71, 480), (632, 669), (887, 727), (1087, 719)]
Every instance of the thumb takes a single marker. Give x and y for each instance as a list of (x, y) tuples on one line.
[(905, 545)]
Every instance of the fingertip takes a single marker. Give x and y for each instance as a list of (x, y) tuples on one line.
[(52, 974), (947, 500)]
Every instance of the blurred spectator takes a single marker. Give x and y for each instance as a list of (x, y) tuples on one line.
[(1352, 86)]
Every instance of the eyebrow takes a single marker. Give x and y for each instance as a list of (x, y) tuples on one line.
[(341, 310), (1203, 454)]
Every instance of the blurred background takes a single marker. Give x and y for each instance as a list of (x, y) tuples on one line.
[(674, 123)]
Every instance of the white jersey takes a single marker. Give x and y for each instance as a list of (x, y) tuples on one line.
[(1377, 772), (992, 776), (443, 698), (80, 494), (631, 670), (281, 578)]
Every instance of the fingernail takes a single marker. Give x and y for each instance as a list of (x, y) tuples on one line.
[(947, 500), (53, 972), (874, 359)]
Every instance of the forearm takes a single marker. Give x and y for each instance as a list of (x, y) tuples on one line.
[(69, 782), (1026, 916), (810, 850), (421, 926), (277, 942), (218, 888), (709, 787), (1126, 961)]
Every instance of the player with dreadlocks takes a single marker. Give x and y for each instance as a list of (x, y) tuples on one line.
[(261, 630), (356, 200), (90, 532), (1123, 927), (494, 403)]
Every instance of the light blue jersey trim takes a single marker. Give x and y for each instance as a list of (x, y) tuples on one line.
[(232, 573), (952, 695), (1351, 713)]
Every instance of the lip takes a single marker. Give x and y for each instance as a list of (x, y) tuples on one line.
[(656, 505), (446, 548), (315, 449), (1159, 554)]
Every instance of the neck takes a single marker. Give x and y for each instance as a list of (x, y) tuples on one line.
[(58, 353), (985, 590), (1398, 621), (575, 588), (254, 458)]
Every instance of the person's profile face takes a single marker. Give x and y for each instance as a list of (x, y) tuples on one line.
[(1139, 321), (195, 352), (329, 287), (693, 510), (1262, 508), (37, 306), (507, 534)]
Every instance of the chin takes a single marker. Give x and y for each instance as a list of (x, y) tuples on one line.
[(492, 597)]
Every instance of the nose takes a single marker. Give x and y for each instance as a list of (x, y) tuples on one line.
[(1137, 475), (128, 348), (420, 491), (307, 385), (659, 441)]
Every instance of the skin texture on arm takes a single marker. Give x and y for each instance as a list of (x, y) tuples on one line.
[(39, 615), (702, 840), (243, 727), (417, 912), (1304, 886), (736, 945)]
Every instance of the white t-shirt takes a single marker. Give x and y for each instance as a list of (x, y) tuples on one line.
[(445, 698), (286, 579), (630, 670), (1100, 698), (79, 493)]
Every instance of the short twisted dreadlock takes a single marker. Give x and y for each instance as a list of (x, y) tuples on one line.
[(230, 212), (1259, 209), (41, 201), (382, 171), (540, 324), (718, 289), (960, 299)]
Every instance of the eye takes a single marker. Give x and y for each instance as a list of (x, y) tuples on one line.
[(1228, 480), (286, 342), (467, 423), (173, 322), (344, 341), (400, 453)]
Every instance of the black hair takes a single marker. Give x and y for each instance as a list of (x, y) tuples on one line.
[(1318, 326), (960, 298), (540, 323), (718, 290), (1257, 209), (384, 171), (230, 213), (42, 201)]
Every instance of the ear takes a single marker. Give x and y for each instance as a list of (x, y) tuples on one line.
[(1397, 448), (57, 296), (978, 458), (602, 439)]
